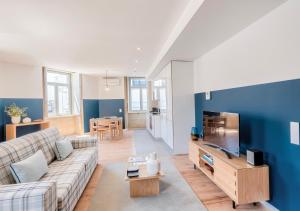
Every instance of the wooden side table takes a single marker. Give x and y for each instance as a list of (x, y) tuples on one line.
[(11, 129), (144, 185)]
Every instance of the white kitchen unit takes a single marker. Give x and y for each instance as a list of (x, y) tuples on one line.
[(177, 115), (153, 124)]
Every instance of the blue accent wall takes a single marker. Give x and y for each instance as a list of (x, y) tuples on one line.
[(265, 114), (100, 108), (34, 111), (90, 110), (110, 107)]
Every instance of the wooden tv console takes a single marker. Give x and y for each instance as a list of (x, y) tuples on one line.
[(242, 182)]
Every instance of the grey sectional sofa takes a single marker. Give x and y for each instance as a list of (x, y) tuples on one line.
[(61, 187)]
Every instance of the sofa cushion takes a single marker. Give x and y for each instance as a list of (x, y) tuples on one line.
[(30, 169), (14, 151), (46, 140), (70, 181), (63, 148), (84, 156)]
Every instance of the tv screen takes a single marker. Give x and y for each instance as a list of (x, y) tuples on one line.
[(221, 129)]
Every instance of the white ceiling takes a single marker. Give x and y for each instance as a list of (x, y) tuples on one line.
[(92, 36), (213, 23), (88, 36)]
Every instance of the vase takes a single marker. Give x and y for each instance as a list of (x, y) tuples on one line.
[(153, 165), (15, 119)]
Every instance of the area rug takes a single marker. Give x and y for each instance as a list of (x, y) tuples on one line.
[(112, 192)]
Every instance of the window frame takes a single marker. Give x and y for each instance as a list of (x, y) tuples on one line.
[(140, 87), (158, 88), (56, 85)]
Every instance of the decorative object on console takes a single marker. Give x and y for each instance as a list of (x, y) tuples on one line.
[(194, 134), (255, 157), (15, 113), (153, 164), (26, 120)]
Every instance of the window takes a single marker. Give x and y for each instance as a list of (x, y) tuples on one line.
[(59, 93), (159, 93), (137, 94)]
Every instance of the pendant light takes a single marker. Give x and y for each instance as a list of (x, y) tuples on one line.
[(106, 84)]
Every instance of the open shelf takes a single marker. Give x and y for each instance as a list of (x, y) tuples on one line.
[(205, 166)]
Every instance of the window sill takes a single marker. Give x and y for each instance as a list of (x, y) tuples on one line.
[(137, 112), (65, 116)]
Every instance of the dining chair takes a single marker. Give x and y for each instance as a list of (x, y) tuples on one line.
[(102, 128), (114, 129), (93, 126)]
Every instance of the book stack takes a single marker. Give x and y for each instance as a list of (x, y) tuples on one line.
[(132, 171)]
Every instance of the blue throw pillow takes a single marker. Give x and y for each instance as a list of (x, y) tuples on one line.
[(30, 169), (63, 148)]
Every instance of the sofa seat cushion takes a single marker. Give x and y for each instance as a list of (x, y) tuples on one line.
[(70, 181), (84, 155)]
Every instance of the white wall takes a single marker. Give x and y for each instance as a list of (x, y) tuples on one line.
[(90, 87), (183, 105), (20, 81), (266, 51), (115, 92)]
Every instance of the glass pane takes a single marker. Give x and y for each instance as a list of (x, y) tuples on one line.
[(156, 83), (144, 96), (135, 99), (163, 98), (155, 94), (58, 77), (138, 82), (63, 100), (159, 83), (51, 100)]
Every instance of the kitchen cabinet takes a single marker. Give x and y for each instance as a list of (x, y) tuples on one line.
[(177, 112)]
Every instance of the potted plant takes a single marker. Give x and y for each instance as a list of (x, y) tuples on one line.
[(15, 113)]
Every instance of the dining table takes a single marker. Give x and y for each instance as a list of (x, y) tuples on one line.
[(113, 124)]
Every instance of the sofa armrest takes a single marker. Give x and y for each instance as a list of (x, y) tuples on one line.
[(38, 196), (83, 141)]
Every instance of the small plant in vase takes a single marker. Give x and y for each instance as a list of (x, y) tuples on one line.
[(15, 113)]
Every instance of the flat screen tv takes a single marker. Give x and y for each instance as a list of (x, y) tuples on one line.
[(221, 130)]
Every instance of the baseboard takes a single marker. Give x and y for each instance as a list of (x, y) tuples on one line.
[(270, 206)]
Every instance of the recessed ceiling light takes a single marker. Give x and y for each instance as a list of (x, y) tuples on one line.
[(136, 61), (138, 48)]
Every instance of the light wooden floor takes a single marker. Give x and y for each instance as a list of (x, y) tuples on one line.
[(119, 150)]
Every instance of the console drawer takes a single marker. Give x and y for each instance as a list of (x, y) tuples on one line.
[(225, 177), (225, 168)]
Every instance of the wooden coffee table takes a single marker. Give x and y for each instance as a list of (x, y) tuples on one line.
[(144, 185)]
